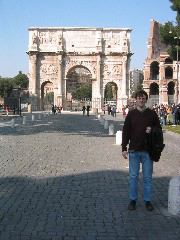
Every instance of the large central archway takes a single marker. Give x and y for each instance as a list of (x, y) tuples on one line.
[(78, 83), (78, 87)]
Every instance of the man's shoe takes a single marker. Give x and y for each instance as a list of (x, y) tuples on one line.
[(132, 205), (149, 206)]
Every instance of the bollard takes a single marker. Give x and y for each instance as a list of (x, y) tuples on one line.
[(106, 124), (111, 129), (119, 137), (174, 196), (102, 121), (29, 108), (98, 116), (39, 116), (13, 123), (33, 117), (24, 120)]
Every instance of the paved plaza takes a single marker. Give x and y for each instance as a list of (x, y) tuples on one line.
[(62, 177)]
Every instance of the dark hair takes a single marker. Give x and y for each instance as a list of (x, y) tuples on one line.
[(140, 93)]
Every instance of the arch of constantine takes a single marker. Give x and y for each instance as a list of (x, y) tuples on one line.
[(54, 52)]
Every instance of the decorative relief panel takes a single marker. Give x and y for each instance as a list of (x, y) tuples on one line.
[(112, 71), (112, 39), (48, 72)]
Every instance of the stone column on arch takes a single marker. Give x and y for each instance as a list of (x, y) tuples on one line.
[(146, 88), (58, 94), (33, 89), (124, 78), (98, 95), (161, 71), (163, 94), (122, 96), (33, 75), (163, 91), (146, 71)]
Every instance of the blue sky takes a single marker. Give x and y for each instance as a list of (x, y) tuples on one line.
[(16, 16)]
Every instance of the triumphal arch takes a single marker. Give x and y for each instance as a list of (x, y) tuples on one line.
[(55, 51)]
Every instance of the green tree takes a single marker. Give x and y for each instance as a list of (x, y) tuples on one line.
[(176, 7), (21, 80), (108, 91), (6, 86), (49, 98), (170, 33), (84, 91)]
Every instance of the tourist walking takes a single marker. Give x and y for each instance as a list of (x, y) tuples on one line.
[(83, 110), (88, 109), (109, 109), (137, 122), (114, 111), (53, 108), (104, 109)]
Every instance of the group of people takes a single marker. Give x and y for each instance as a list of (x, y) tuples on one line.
[(125, 110), (169, 114), (111, 109), (6, 109), (56, 109), (86, 109)]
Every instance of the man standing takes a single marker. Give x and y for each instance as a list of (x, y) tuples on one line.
[(83, 110), (88, 109), (138, 122)]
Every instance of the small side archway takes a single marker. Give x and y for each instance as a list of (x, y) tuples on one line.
[(47, 95), (154, 93), (154, 70), (168, 72), (171, 91), (110, 92)]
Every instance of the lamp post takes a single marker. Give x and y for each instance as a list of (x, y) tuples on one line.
[(177, 38), (19, 100), (177, 69)]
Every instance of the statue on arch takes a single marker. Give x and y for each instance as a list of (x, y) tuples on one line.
[(34, 39)]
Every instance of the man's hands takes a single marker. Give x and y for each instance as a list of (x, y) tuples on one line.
[(125, 154)]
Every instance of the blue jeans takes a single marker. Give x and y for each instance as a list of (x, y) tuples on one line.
[(135, 158)]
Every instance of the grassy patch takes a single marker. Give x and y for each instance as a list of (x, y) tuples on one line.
[(175, 129)]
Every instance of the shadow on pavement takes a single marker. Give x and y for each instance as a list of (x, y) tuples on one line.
[(66, 123), (89, 206)]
